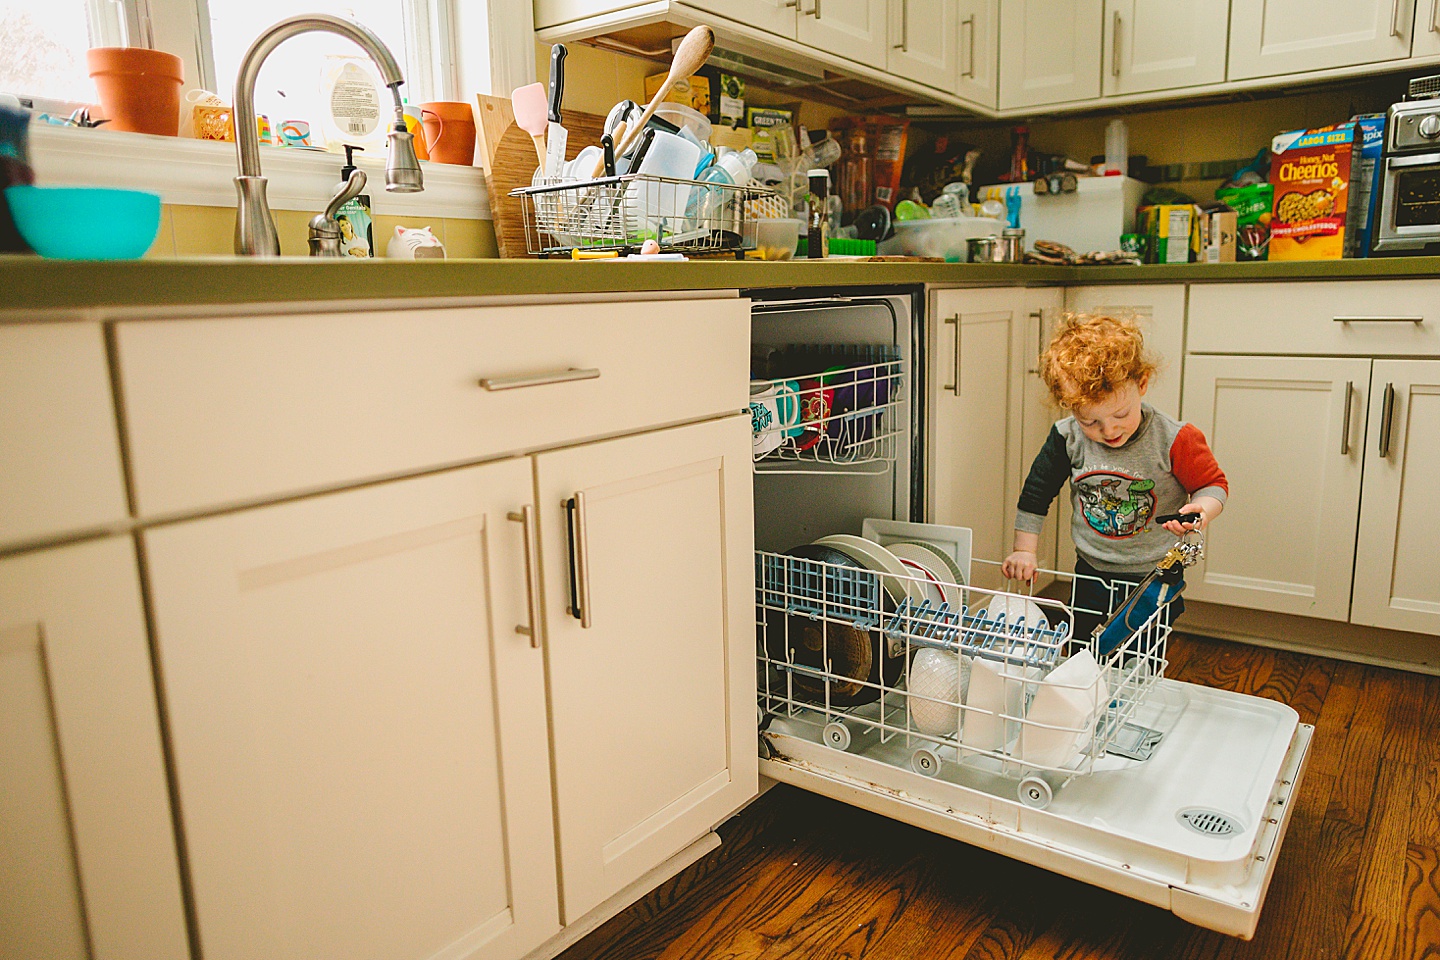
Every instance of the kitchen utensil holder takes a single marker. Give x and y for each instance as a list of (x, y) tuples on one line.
[(1023, 654), (621, 213), (839, 421)]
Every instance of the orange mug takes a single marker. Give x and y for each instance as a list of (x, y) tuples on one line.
[(449, 131)]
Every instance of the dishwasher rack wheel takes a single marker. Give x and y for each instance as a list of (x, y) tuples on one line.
[(1035, 792), (925, 762), (836, 735)]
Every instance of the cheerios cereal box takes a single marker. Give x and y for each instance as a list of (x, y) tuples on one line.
[(1311, 171)]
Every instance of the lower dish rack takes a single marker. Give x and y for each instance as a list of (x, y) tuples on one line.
[(993, 680)]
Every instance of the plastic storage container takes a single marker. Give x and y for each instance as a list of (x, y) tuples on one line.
[(943, 238)]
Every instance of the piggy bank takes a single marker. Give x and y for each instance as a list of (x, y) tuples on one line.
[(414, 243)]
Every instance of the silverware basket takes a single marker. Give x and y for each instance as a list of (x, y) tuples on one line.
[(621, 213)]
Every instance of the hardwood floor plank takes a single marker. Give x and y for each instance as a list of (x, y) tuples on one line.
[(1310, 693), (1332, 727), (1420, 926), (1228, 666), (1378, 888), (1360, 757), (1425, 821), (1326, 873), (1370, 938), (1403, 731)]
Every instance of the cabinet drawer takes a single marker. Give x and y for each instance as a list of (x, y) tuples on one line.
[(59, 448), (223, 411), (1350, 317)]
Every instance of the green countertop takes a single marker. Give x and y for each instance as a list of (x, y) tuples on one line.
[(28, 283)]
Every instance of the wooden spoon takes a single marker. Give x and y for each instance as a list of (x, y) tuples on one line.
[(690, 56)]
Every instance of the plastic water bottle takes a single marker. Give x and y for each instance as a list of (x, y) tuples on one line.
[(1117, 148)]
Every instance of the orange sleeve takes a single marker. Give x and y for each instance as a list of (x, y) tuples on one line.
[(1193, 464)]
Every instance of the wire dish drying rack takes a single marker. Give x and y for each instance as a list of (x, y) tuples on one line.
[(993, 680), (844, 420), (621, 213)]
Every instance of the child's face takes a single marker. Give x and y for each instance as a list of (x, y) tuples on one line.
[(1113, 420)]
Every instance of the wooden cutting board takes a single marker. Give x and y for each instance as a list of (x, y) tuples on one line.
[(507, 155)]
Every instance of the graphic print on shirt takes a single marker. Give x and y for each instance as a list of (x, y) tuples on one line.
[(1115, 504)]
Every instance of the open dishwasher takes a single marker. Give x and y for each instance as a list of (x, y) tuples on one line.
[(981, 714)]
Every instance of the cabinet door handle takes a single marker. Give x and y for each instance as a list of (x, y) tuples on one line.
[(579, 560), (1387, 413), (904, 44), (526, 518), (1435, 16), (970, 21), (813, 11), (1115, 46), (1379, 319), (1039, 317), (539, 379), (955, 387), (1345, 423), (1395, 29)]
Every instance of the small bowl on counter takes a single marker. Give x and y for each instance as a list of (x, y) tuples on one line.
[(85, 223), (944, 239), (772, 238)]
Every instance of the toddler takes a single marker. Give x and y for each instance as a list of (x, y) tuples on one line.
[(1127, 463)]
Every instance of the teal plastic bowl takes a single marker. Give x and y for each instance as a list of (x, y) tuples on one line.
[(85, 223)]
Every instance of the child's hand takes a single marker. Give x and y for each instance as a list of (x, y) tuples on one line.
[(1020, 565), (1205, 510)]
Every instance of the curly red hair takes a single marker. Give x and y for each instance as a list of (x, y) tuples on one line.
[(1091, 356)]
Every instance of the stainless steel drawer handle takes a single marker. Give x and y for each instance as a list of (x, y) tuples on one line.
[(526, 518), (540, 379), (970, 22), (1115, 46), (1345, 423), (1387, 414), (579, 560), (955, 387), (1378, 319)]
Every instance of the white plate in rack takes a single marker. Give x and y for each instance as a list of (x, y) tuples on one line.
[(900, 585), (938, 564), (953, 541)]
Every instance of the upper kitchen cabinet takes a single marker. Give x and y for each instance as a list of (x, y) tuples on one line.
[(772, 16), (854, 29), (1427, 29), (359, 730), (924, 41), (1271, 37), (1395, 581), (979, 73), (1163, 44), (1049, 51)]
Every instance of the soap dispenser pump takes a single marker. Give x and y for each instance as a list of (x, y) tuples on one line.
[(356, 224)]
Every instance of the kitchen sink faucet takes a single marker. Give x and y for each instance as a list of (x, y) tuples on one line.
[(255, 234)]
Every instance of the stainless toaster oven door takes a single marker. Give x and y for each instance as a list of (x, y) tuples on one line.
[(1409, 205)]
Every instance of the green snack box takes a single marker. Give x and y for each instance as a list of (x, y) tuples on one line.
[(1170, 228), (1251, 204)]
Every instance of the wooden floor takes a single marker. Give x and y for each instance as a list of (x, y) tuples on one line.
[(799, 876)]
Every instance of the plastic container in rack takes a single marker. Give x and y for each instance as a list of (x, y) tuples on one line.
[(683, 116), (944, 239)]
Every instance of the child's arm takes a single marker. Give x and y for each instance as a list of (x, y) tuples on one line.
[(1047, 475), (1194, 465)]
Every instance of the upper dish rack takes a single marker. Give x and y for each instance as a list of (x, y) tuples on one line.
[(842, 419), (621, 213)]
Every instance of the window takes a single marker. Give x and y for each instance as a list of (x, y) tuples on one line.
[(43, 44)]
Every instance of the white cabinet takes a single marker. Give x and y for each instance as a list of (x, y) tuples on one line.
[(88, 864), (772, 16), (1289, 433), (1396, 585), (1162, 44), (1049, 51), (924, 41), (1270, 37), (978, 51), (649, 597), (854, 29), (1427, 29), (359, 729)]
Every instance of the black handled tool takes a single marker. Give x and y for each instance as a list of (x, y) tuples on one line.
[(607, 144), (1192, 517), (557, 79)]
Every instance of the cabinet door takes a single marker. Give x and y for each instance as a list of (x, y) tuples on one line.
[(974, 404), (1039, 412), (358, 727), (1396, 584), (772, 16), (979, 23), (88, 865), (1427, 29), (846, 28), (652, 694), (1049, 51), (1277, 425), (924, 41), (1270, 37), (1160, 311), (1161, 44)]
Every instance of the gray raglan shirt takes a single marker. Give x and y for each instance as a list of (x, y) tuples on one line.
[(1117, 490)]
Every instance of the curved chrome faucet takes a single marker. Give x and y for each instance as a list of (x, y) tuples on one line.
[(254, 226)]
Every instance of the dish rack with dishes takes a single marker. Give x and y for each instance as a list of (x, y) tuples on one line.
[(827, 408), (620, 213), (900, 660)]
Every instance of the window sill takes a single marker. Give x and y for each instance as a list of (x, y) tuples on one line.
[(201, 173)]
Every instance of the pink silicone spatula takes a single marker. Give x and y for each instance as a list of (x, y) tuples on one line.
[(532, 114)]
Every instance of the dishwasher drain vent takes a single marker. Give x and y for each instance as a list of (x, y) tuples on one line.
[(1211, 823)]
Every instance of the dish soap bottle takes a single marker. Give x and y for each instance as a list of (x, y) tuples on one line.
[(357, 237)]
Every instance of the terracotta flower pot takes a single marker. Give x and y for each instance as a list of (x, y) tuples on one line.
[(139, 89), (449, 131)]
